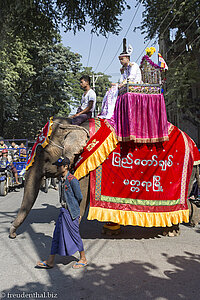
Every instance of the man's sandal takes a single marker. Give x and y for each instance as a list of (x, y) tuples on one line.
[(43, 265), (79, 265)]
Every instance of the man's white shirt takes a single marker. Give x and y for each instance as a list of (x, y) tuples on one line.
[(89, 96)]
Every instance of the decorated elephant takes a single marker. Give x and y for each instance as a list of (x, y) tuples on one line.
[(63, 139)]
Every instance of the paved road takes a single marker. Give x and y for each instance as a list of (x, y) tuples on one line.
[(138, 264)]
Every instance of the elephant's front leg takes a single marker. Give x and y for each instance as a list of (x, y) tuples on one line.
[(31, 189)]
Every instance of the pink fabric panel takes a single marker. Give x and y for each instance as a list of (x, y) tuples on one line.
[(140, 116)]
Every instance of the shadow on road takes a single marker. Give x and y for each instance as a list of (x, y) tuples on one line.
[(135, 279), (130, 280), (88, 229)]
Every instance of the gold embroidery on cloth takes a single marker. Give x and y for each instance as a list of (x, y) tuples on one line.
[(92, 145)]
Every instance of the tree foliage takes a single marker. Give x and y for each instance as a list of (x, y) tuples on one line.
[(36, 82), (39, 81), (38, 17), (177, 14), (101, 85), (39, 77)]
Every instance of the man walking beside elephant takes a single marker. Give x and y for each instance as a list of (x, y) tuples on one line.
[(66, 238), (88, 102)]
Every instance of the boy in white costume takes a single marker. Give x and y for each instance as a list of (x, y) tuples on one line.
[(129, 70)]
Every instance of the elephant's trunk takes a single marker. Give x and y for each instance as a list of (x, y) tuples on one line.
[(31, 189)]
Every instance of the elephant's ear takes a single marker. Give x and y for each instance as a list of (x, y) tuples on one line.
[(75, 140)]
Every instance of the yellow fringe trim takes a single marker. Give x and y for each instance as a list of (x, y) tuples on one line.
[(46, 142), (144, 219), (98, 157)]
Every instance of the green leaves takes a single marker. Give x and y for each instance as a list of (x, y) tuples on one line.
[(37, 82), (176, 22), (39, 77), (30, 18)]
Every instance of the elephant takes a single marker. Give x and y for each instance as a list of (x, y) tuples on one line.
[(65, 139)]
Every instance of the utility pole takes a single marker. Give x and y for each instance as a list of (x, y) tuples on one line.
[(94, 80)]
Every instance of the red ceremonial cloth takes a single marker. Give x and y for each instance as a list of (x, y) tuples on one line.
[(147, 178), (97, 137), (42, 140), (140, 117)]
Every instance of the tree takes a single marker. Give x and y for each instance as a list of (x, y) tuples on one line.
[(42, 86), (180, 18), (101, 86), (173, 14), (38, 82), (39, 77), (38, 17), (14, 64)]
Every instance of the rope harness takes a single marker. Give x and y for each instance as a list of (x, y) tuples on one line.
[(69, 127)]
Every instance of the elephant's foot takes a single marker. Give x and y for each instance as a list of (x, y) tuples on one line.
[(111, 229), (193, 224), (12, 234), (172, 231)]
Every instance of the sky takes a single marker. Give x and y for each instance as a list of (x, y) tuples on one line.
[(80, 43)]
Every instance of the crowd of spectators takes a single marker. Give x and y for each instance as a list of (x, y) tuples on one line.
[(17, 152), (10, 153)]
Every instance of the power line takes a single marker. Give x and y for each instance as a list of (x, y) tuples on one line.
[(132, 19), (157, 29), (124, 36), (90, 49), (113, 58), (102, 52), (165, 30), (184, 31), (170, 23), (184, 50)]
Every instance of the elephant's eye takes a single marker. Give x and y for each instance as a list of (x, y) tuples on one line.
[(62, 128)]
